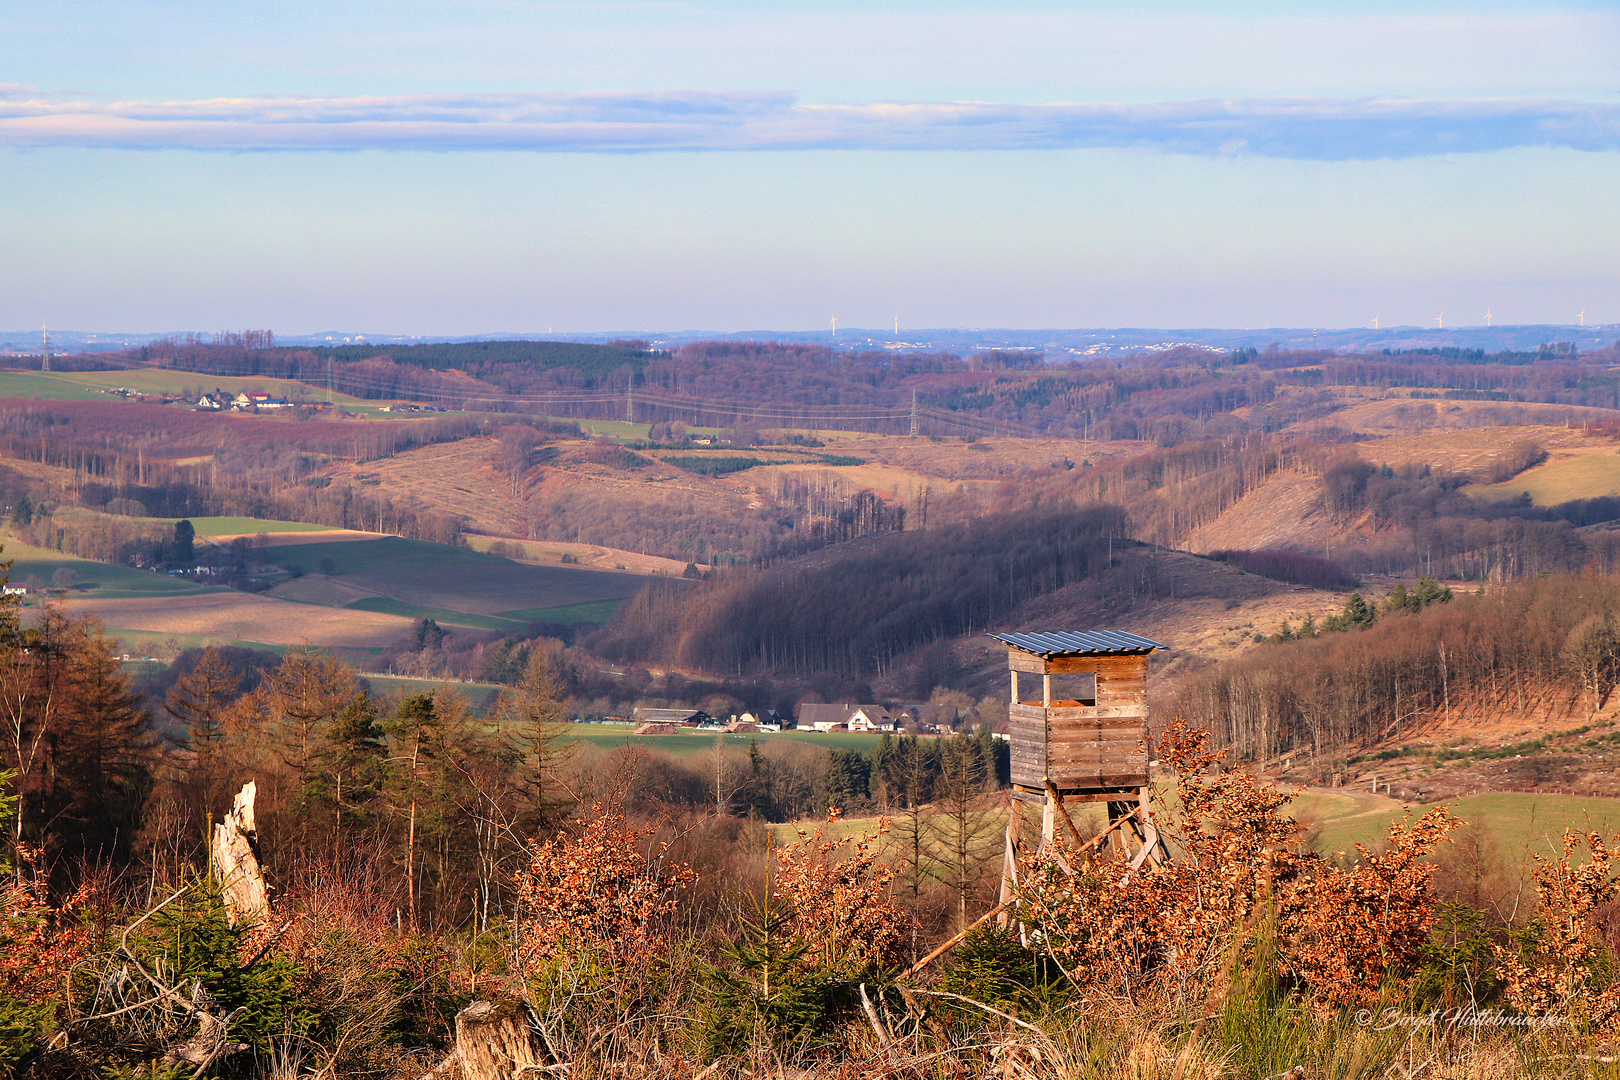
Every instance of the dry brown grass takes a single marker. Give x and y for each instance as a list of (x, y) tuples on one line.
[(243, 617)]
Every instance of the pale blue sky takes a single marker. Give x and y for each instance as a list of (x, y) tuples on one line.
[(525, 165)]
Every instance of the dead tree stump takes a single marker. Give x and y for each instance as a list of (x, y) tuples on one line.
[(493, 1041), (235, 858)]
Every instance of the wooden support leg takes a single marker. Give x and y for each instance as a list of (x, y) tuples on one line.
[(1009, 859), (1121, 812), (1049, 822), (1157, 851)]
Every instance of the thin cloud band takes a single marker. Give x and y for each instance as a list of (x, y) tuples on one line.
[(632, 122)]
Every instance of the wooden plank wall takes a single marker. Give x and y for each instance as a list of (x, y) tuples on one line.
[(1084, 747)]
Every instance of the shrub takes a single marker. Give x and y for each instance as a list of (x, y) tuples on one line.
[(1561, 963), (604, 892), (39, 946), (1171, 929)]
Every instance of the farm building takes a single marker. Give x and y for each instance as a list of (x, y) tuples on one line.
[(680, 717), (256, 400), (764, 719), (871, 718), (846, 716)]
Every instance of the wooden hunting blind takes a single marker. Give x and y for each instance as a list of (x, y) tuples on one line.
[(1078, 715), (1078, 724)]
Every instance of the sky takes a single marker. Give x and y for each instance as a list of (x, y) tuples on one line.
[(570, 167)]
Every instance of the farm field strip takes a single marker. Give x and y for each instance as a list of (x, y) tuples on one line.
[(1566, 477), (456, 579), (40, 564), (599, 611), (227, 615), (388, 605), (690, 741)]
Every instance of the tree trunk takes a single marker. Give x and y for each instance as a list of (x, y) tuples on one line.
[(493, 1041), (235, 859)]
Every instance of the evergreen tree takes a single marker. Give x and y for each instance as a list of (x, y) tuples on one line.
[(531, 719), (965, 831), (348, 783), (200, 700), (184, 541), (101, 755)]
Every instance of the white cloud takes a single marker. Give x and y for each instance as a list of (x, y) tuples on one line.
[(1302, 128)]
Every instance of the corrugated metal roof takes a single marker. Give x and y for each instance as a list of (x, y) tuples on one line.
[(1050, 643)]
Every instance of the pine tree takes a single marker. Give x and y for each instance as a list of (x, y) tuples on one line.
[(349, 779), (184, 541), (417, 741), (102, 753), (965, 830), (200, 700), (531, 718)]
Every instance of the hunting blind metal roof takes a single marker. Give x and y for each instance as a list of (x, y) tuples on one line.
[(1050, 643), (1077, 712)]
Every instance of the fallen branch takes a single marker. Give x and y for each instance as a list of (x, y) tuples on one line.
[(955, 940)]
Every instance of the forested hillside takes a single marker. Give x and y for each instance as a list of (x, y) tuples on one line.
[(853, 609), (1545, 652), (1166, 396)]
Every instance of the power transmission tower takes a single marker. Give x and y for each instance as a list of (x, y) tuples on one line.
[(45, 360), (914, 414)]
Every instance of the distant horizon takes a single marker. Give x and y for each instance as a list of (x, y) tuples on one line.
[(1077, 340)]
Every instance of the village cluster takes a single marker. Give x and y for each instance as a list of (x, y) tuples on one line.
[(813, 716)]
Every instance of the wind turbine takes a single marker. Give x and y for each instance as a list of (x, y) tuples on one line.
[(835, 325), (1375, 322), (1487, 316), (1582, 316), (1440, 321)]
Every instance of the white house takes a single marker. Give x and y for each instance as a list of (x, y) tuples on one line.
[(870, 718)]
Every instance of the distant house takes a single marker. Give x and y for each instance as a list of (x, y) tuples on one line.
[(245, 401), (820, 716), (871, 718), (847, 717), (768, 720), (215, 401), (677, 717), (16, 590), (655, 727)]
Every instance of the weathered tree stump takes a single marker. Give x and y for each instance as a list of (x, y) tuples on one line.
[(236, 859), (493, 1041)]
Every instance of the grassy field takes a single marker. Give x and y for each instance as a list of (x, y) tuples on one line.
[(480, 696), (1560, 480), (92, 386), (456, 578), (39, 566), (228, 617), (689, 741), (151, 643), (389, 606), (1520, 823), (597, 611), (236, 526)]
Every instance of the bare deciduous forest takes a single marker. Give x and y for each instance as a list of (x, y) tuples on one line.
[(446, 875)]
